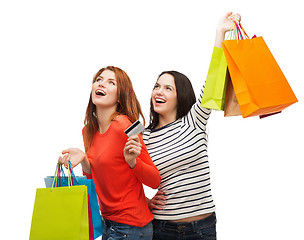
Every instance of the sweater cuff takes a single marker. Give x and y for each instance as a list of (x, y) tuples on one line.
[(137, 170), (89, 176)]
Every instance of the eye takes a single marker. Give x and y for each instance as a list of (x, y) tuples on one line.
[(98, 80), (169, 88), (156, 86), (112, 83)]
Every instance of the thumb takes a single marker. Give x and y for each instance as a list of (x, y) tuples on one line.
[(228, 14), (66, 151), (135, 138)]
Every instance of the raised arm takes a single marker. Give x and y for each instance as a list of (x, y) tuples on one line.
[(199, 115), (224, 25)]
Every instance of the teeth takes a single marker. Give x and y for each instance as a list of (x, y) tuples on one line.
[(159, 100), (100, 92)]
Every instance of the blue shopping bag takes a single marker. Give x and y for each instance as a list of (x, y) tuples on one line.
[(62, 181)]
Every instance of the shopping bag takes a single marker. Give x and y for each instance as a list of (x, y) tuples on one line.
[(259, 84), (215, 86), (60, 213), (62, 180), (268, 115), (232, 107), (91, 230)]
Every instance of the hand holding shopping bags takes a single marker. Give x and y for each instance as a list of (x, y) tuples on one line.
[(215, 86), (259, 84), (62, 180), (60, 213)]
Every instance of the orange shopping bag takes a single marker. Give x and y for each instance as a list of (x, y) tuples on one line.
[(259, 84)]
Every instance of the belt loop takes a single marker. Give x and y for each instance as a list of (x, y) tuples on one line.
[(162, 224), (194, 226)]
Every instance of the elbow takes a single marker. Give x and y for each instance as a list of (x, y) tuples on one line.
[(157, 182)]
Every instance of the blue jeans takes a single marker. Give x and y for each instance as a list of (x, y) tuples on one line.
[(114, 230), (202, 229)]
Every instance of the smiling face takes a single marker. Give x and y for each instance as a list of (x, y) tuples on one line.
[(164, 97), (104, 90)]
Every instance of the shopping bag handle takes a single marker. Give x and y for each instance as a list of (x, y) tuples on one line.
[(238, 31), (59, 171), (72, 173)]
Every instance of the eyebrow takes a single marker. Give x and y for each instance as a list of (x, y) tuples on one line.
[(166, 85), (108, 78)]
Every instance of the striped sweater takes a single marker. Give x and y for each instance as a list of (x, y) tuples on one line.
[(179, 151)]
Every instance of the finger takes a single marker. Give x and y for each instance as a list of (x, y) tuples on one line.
[(228, 14), (130, 147), (160, 193), (65, 151), (66, 159), (133, 142), (134, 151), (134, 137), (153, 206), (160, 197), (158, 202), (236, 17), (60, 160)]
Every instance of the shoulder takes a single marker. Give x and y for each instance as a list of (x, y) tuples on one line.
[(122, 122)]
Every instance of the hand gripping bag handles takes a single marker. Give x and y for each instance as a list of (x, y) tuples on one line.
[(60, 213), (216, 81), (259, 84), (62, 180)]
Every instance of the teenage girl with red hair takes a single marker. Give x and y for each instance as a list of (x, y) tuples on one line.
[(119, 165)]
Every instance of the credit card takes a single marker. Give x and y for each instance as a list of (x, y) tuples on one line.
[(134, 129)]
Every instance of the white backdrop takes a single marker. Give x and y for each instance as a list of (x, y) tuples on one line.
[(50, 51)]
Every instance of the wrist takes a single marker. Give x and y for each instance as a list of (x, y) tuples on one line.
[(132, 163), (85, 164), (84, 157), (219, 38)]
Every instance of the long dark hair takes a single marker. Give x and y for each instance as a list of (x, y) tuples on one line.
[(185, 97), (128, 104)]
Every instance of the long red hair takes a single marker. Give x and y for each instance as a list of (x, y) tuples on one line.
[(128, 105)]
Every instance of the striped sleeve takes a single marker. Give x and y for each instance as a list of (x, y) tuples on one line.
[(198, 115)]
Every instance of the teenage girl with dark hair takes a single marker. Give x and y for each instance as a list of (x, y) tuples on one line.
[(177, 143)]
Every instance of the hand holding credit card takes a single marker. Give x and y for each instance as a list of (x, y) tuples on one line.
[(134, 129)]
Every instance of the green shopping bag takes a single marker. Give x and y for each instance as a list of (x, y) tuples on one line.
[(60, 213), (215, 87)]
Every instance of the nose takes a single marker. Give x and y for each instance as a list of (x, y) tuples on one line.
[(159, 91), (101, 84)]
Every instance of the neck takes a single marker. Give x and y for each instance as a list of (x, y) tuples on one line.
[(164, 120), (104, 118)]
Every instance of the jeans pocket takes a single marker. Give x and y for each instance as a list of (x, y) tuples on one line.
[(145, 236), (208, 232), (119, 231), (146, 232)]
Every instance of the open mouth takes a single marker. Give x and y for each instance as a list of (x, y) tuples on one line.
[(99, 92), (160, 100)]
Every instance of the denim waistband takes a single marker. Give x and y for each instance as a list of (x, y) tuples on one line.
[(186, 226)]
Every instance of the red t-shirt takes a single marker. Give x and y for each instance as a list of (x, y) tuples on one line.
[(119, 188)]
